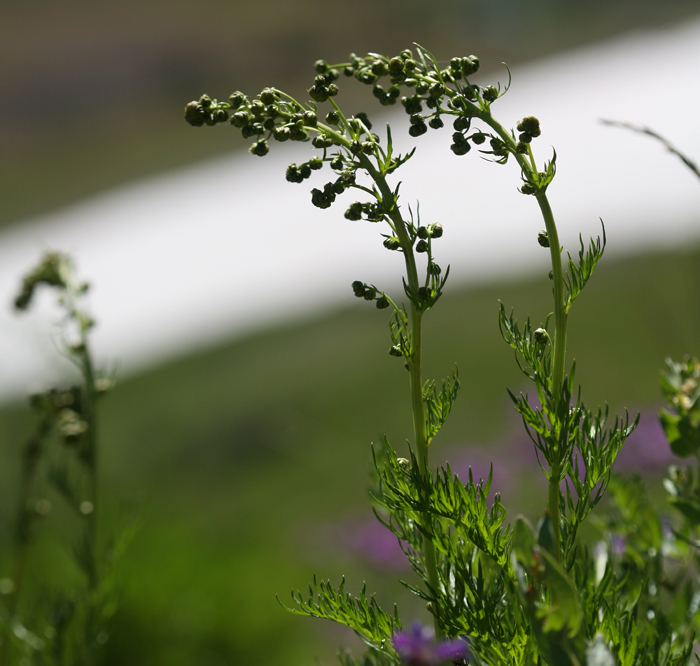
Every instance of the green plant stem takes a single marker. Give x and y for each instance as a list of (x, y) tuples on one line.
[(560, 316), (415, 371)]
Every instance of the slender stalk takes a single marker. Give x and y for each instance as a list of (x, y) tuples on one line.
[(415, 371), (560, 317)]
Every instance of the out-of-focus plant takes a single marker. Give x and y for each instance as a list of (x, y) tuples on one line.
[(43, 622), (497, 593)]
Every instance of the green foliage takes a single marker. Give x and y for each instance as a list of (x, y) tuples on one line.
[(580, 273), (438, 404), (362, 614), (680, 388)]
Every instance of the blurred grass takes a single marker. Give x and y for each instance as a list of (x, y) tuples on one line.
[(92, 93), (246, 457)]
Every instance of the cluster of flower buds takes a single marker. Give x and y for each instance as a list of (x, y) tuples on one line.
[(324, 86), (269, 116), (65, 406), (297, 174), (370, 293), (424, 234), (324, 198), (54, 270), (371, 211)]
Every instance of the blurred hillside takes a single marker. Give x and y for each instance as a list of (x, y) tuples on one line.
[(91, 93)]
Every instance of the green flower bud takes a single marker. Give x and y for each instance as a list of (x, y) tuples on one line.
[(321, 66), (205, 101), (521, 148), (470, 93), (379, 68), (267, 96), (305, 171), (240, 119), (543, 238), (434, 269), (332, 118), (437, 90), (249, 131), (424, 294), (257, 108), (321, 199), (358, 288), (541, 336), (310, 119), (209, 120), (422, 233), (348, 70), (470, 65), (436, 122), (269, 123), (382, 303), (332, 75), (489, 93), (435, 230), (422, 87), (432, 103), (260, 148), (462, 123), (458, 102), (281, 133), (332, 90), (531, 125), (406, 54), (337, 163), (365, 120), (322, 141), (194, 114), (525, 137), (365, 76), (237, 99), (319, 93), (459, 138), (396, 66), (528, 188), (460, 148), (293, 175), (478, 138), (417, 130), (370, 293), (421, 246), (316, 163), (378, 91), (356, 148), (412, 104), (354, 212), (392, 243), (551, 275), (337, 187), (498, 147), (395, 351), (298, 134), (272, 111)]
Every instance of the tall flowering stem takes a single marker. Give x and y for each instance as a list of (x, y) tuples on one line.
[(426, 511)]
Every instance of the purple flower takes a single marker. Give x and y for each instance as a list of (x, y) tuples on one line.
[(417, 647), (619, 543)]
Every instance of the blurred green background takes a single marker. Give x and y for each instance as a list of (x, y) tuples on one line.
[(250, 461)]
